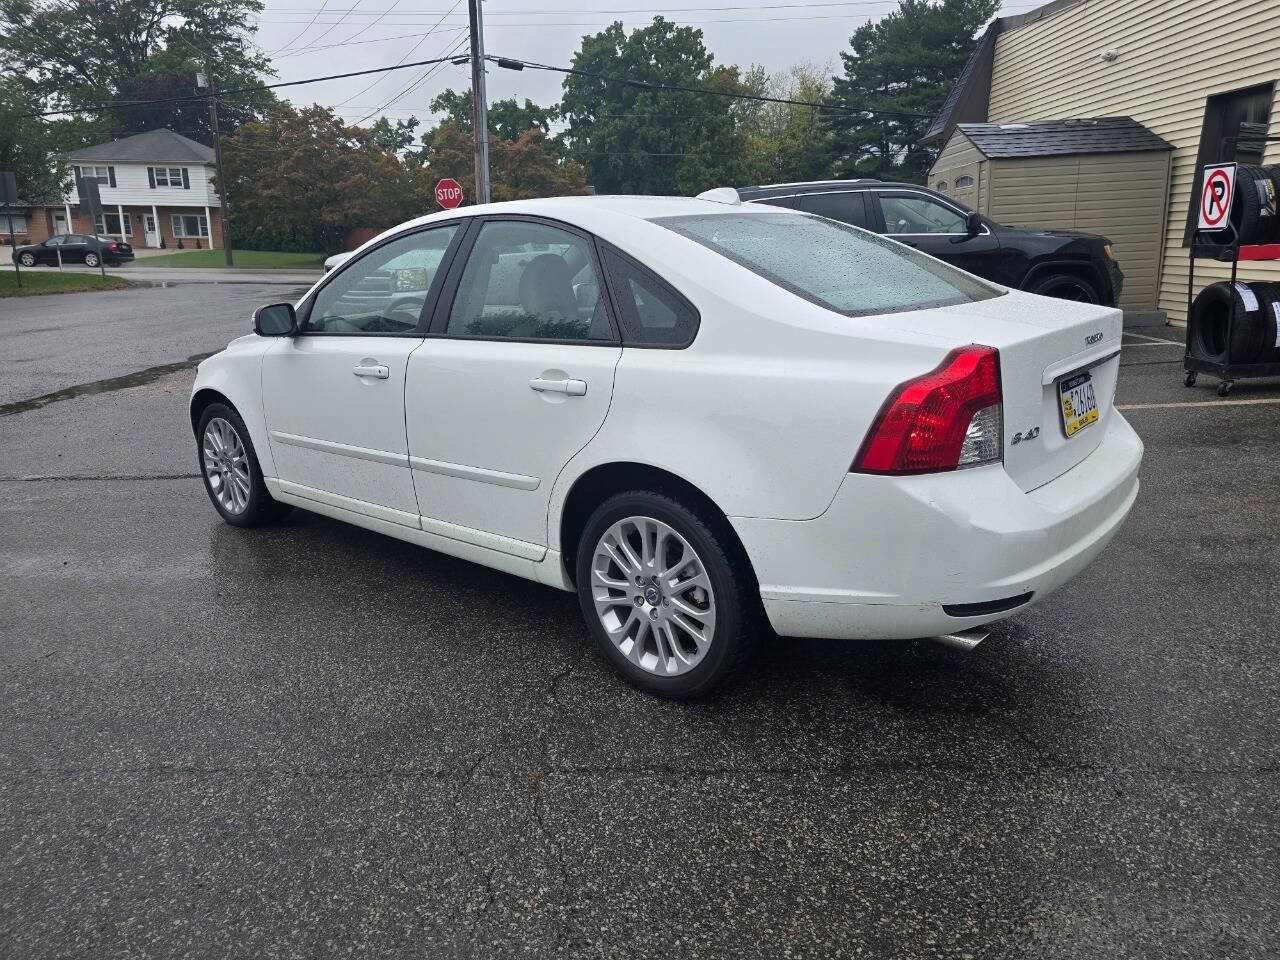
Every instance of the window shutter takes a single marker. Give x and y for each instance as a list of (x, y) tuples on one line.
[(151, 177), (111, 175), (186, 181)]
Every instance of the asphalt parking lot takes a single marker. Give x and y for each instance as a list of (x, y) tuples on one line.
[(309, 740)]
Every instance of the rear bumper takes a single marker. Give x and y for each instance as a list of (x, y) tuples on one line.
[(891, 553)]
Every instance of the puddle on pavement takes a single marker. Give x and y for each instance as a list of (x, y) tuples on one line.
[(108, 385)]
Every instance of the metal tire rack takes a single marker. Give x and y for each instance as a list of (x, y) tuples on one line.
[(1233, 252)]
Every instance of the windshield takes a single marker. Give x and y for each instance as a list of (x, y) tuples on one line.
[(832, 264)]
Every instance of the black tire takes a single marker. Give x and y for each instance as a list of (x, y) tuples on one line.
[(1253, 208), (739, 614), (1066, 286), (260, 508), (27, 259), (1210, 316), (91, 259), (1268, 321)]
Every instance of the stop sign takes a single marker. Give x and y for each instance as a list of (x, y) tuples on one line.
[(448, 193)]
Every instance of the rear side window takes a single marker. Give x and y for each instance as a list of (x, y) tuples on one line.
[(653, 315), (836, 266), (846, 207)]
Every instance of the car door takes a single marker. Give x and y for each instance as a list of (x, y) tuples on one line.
[(74, 247), (514, 379), (47, 252), (333, 395), (927, 223)]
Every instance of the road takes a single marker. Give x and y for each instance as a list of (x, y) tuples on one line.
[(309, 740)]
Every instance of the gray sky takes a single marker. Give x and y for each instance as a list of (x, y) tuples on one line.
[(309, 38)]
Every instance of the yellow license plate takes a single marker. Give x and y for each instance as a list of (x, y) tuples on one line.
[(1078, 403)]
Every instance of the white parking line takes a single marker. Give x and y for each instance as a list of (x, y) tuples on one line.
[(1198, 403), (1162, 343), (1143, 336)]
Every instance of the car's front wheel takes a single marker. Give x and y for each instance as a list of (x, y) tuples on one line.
[(90, 259), (667, 593), (229, 468), (1066, 286), (27, 259)]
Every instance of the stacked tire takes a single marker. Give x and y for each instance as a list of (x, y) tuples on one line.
[(1255, 331), (1254, 208)]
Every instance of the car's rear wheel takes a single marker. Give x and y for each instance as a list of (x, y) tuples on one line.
[(1066, 286), (666, 593), (27, 259), (229, 468), (90, 259)]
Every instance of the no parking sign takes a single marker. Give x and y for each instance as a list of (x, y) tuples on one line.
[(1215, 196)]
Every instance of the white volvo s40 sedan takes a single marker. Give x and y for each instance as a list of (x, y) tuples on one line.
[(703, 417)]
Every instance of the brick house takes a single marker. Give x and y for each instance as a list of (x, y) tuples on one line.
[(156, 188)]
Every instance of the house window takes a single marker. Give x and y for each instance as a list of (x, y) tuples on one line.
[(1235, 128), (942, 186), (190, 225), (109, 225), (167, 176), (963, 183), (101, 174), (12, 223)]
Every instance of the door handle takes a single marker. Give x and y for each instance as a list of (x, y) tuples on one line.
[(572, 388), (379, 371)]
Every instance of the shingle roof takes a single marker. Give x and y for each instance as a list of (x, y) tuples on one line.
[(1050, 138), (154, 146)]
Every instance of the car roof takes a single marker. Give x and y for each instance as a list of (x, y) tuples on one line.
[(818, 186)]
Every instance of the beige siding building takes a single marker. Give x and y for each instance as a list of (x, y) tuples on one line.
[(1200, 74)]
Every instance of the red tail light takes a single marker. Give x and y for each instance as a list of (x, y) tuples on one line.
[(113, 248), (950, 417)]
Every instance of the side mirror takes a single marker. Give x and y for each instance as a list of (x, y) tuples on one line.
[(973, 223), (275, 320)]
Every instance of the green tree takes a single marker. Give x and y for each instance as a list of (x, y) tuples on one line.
[(632, 138), (519, 169), (508, 119), (393, 136), (787, 142), (35, 149), (72, 55), (898, 74), (300, 179)]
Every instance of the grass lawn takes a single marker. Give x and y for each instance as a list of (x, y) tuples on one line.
[(255, 259), (39, 280)]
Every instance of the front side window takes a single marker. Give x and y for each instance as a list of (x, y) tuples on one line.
[(530, 281), (383, 291), (831, 264), (911, 213)]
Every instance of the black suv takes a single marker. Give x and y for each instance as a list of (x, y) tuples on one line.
[(1055, 263)]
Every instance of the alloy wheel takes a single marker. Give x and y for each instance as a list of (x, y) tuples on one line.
[(226, 467), (653, 596), (90, 260), (27, 260)]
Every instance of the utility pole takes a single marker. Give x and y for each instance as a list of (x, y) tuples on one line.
[(217, 162), (479, 104)]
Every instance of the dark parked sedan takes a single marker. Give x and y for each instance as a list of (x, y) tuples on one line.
[(1054, 263), (75, 248)]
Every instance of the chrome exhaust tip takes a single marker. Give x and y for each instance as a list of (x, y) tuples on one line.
[(965, 640)]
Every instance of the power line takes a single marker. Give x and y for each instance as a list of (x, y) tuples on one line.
[(512, 63), (295, 39), (414, 85), (421, 39), (115, 104), (540, 11)]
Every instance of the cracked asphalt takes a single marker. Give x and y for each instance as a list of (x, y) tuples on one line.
[(312, 741)]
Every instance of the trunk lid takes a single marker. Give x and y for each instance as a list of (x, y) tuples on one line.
[(1042, 343)]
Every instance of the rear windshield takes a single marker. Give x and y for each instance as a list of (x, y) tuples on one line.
[(832, 264)]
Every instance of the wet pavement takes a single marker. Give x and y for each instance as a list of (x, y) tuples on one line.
[(309, 740)]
